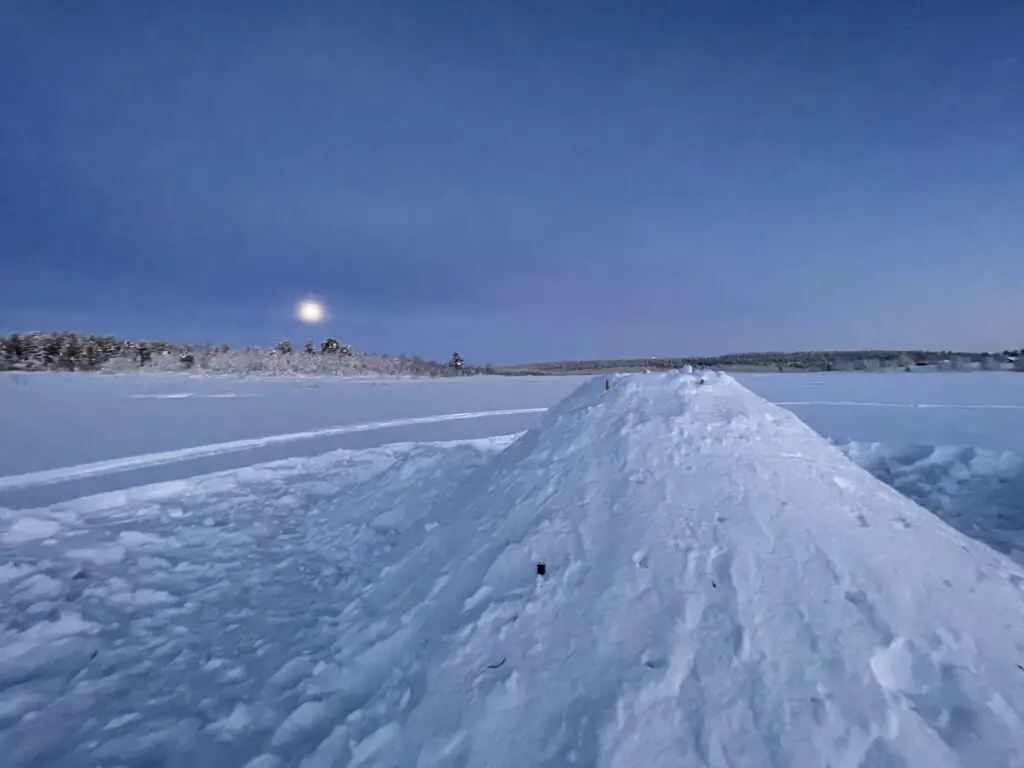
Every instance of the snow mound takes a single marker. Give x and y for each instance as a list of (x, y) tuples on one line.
[(721, 587)]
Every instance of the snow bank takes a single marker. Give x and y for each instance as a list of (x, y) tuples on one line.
[(721, 587)]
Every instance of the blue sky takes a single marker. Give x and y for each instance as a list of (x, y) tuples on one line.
[(517, 179)]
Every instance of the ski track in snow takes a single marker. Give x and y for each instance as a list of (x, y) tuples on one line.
[(81, 471), (196, 395), (723, 589)]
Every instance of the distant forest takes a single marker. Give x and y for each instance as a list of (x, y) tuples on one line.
[(850, 360), (70, 351)]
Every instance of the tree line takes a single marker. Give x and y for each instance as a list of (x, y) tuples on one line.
[(71, 351), (838, 360)]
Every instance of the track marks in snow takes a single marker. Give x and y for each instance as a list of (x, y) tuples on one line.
[(730, 625), (195, 395), (112, 466)]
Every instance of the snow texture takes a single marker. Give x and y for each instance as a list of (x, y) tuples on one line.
[(979, 492), (208, 622), (722, 587)]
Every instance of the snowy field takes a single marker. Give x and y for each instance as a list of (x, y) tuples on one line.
[(276, 572)]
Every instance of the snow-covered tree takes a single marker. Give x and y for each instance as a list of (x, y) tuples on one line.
[(12, 349), (51, 350), (35, 351), (284, 347), (91, 354), (108, 347), (69, 352)]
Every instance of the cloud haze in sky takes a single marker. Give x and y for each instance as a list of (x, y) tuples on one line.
[(517, 179)]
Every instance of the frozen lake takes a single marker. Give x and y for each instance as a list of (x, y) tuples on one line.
[(53, 421), (983, 409)]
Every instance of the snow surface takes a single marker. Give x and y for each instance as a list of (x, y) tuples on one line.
[(982, 410), (48, 477), (207, 622), (56, 419), (723, 587)]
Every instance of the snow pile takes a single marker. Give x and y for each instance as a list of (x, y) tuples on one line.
[(722, 587)]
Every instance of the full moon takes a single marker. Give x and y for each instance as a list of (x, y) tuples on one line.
[(310, 311)]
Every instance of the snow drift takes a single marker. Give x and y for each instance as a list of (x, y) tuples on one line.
[(721, 588)]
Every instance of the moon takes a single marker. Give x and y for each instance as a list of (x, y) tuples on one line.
[(310, 311)]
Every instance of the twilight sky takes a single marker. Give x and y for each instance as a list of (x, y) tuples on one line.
[(517, 179)]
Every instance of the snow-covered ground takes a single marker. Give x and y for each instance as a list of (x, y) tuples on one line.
[(159, 428), (58, 418), (983, 409), (722, 587)]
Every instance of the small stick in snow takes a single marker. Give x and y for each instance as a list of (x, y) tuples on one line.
[(541, 569), (500, 663)]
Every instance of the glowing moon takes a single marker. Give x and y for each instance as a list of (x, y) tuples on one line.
[(310, 311)]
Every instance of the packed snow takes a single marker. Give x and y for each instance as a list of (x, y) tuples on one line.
[(721, 586)]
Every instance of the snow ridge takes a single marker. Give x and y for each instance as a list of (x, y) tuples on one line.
[(722, 587)]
